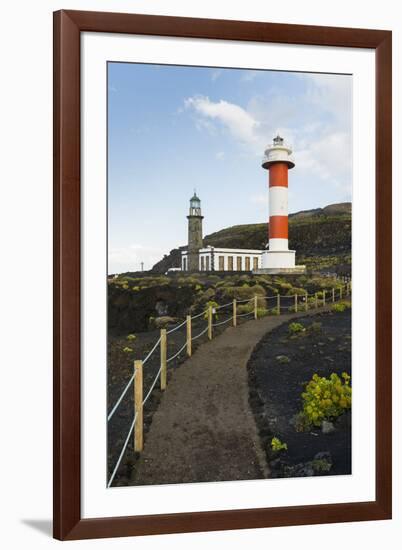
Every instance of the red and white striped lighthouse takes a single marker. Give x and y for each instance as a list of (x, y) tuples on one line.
[(278, 160)]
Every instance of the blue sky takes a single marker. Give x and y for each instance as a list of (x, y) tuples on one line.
[(175, 129)]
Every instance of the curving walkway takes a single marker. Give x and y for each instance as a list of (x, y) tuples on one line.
[(204, 429)]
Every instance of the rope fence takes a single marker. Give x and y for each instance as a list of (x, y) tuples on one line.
[(222, 322), (130, 431), (200, 334), (296, 303), (177, 353)]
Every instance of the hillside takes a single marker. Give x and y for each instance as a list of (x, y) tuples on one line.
[(321, 237)]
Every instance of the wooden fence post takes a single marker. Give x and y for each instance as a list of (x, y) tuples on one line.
[(316, 300), (138, 390), (323, 298), (255, 307), (278, 304), (234, 313), (209, 322), (306, 304), (163, 350), (333, 295), (188, 326), (295, 303)]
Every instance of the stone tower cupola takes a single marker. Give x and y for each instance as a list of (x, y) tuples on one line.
[(194, 233)]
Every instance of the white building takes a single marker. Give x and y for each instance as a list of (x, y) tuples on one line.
[(225, 259)]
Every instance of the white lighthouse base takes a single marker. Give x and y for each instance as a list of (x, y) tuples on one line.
[(279, 261)]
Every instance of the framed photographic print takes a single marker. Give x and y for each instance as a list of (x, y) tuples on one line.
[(222, 204)]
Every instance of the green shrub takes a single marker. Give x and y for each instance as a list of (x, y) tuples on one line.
[(273, 311), (296, 327), (188, 280), (285, 286), (214, 305), (326, 398), (320, 465), (282, 359), (206, 296), (315, 327), (277, 445), (295, 290), (131, 337), (340, 307), (127, 350), (262, 312), (245, 308), (244, 293)]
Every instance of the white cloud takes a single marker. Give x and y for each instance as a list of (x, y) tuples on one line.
[(249, 76), (215, 74), (316, 122), (253, 128), (330, 159), (240, 124), (330, 93)]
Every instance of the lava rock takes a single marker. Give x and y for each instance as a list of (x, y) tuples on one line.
[(327, 427)]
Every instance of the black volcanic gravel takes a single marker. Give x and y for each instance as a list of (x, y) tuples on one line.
[(276, 387)]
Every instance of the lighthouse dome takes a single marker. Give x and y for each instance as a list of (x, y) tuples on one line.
[(195, 201)]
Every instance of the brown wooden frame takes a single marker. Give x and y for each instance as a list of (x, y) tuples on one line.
[(67, 482)]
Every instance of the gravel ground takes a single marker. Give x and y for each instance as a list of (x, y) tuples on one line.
[(279, 368), (204, 429), (120, 370)]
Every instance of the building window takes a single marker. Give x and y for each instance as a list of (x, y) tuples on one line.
[(207, 262), (184, 264), (247, 263), (255, 263), (230, 263), (202, 263), (239, 266), (221, 263)]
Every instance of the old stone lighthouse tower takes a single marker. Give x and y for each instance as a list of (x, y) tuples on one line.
[(194, 233)]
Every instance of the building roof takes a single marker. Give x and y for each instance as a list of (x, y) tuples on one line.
[(218, 250)]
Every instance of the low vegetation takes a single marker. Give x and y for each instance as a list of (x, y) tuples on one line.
[(326, 398), (339, 307), (277, 445), (294, 328), (136, 302)]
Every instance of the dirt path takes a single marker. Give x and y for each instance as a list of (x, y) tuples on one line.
[(204, 429)]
